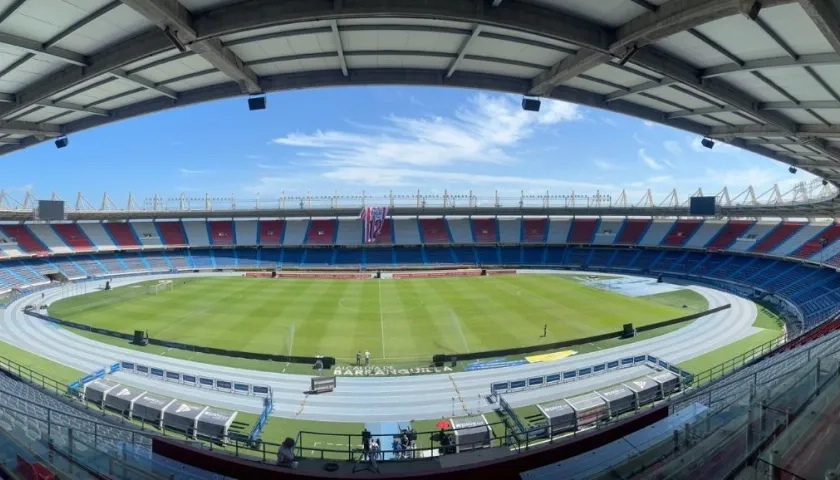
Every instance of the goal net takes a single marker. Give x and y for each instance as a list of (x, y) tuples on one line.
[(160, 287)]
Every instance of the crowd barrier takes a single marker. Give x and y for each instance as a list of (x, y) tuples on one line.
[(473, 272), (442, 358), (521, 384), (268, 407), (327, 362), (227, 386)]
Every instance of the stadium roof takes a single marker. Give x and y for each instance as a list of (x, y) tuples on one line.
[(760, 75)]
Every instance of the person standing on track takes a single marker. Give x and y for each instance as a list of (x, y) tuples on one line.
[(545, 331), (367, 358), (359, 358)]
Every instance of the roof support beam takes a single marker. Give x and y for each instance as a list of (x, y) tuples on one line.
[(339, 48), (145, 83), (566, 69), (768, 63), (463, 51), (37, 48), (74, 108), (825, 14), (805, 131), (761, 106), (28, 128), (170, 14)]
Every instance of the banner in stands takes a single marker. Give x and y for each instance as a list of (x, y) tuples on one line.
[(550, 357), (373, 219), (384, 371)]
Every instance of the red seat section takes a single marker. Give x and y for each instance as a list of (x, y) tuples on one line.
[(484, 230), (681, 232), (25, 240), (534, 229), (221, 233), (814, 245), (731, 232), (633, 231), (122, 234), (321, 232), (384, 237), (171, 233), (583, 229), (434, 230), (777, 236), (271, 232), (72, 235)]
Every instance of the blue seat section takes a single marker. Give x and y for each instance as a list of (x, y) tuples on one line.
[(645, 259), (248, 258), (202, 258), (533, 255), (292, 257), (463, 255), (624, 259), (318, 257), (270, 257), (487, 255), (382, 256), (665, 262), (408, 255), (578, 257), (438, 255), (224, 258), (554, 255), (511, 256), (347, 256), (600, 258)]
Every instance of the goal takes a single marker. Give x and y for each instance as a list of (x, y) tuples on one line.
[(159, 287)]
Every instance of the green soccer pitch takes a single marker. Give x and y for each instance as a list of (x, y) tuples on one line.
[(396, 320)]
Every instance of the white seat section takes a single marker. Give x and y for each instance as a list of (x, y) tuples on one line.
[(752, 236), (510, 230), (112, 264), (178, 260), (799, 238), (349, 232), (607, 230), (147, 233), (98, 236), (197, 235), (657, 231), (157, 262), (558, 231), (48, 237), (295, 232), (460, 230), (9, 247), (827, 252), (246, 232), (406, 231), (705, 233)]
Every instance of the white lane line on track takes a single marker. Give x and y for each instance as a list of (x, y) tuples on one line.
[(457, 321), (381, 316)]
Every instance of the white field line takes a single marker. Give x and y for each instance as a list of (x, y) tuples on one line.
[(457, 321), (183, 319), (291, 345), (381, 316)]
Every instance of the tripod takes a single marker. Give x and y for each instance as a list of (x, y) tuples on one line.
[(366, 462)]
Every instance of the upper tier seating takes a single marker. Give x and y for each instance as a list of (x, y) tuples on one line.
[(146, 234), (245, 232), (681, 232), (171, 233), (655, 234), (558, 231), (732, 231), (321, 232), (632, 231), (799, 238), (25, 240), (434, 231), (220, 233), (534, 230), (779, 234), (752, 236), (406, 231), (350, 232), (484, 230), (48, 237), (583, 230), (386, 234), (72, 236), (460, 231), (295, 232), (98, 236), (271, 232), (607, 231), (704, 234), (510, 230), (819, 243)]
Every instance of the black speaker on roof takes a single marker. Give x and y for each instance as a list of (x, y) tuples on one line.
[(708, 143), (256, 103), (61, 142), (792, 170), (531, 104)]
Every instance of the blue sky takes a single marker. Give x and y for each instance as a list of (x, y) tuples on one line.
[(378, 139)]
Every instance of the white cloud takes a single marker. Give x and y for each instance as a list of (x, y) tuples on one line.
[(389, 177), (648, 123), (193, 173), (648, 160), (479, 133), (673, 147), (638, 139), (668, 162), (604, 165), (268, 166), (661, 179)]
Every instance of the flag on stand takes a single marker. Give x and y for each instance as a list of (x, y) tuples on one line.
[(373, 218)]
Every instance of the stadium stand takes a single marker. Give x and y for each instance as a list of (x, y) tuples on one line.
[(350, 232), (583, 230), (245, 233), (197, 233), (460, 231), (656, 233), (220, 233), (534, 230), (434, 231), (271, 232), (819, 247), (704, 234), (632, 231), (135, 234), (172, 234), (778, 235), (406, 231), (321, 232), (484, 230), (72, 236), (295, 232), (729, 234), (9, 247), (681, 232), (799, 238), (558, 230), (47, 237), (386, 235), (99, 238), (607, 231), (752, 236), (510, 230)]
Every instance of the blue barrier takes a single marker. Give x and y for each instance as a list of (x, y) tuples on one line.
[(268, 407), (184, 378)]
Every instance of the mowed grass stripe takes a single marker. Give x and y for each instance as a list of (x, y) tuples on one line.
[(417, 317)]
